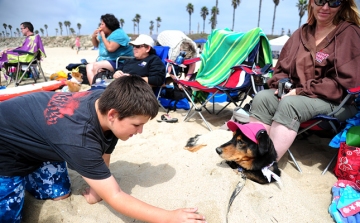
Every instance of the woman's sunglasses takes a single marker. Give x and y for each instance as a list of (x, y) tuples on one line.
[(139, 46), (332, 3)]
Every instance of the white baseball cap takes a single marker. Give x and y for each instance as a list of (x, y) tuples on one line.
[(143, 39)]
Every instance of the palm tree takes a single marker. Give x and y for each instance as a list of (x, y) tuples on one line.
[(214, 13), (235, 4), (56, 30), (151, 27), (42, 31), (5, 26), (259, 13), (79, 27), (3, 32), (72, 31), (10, 27), (190, 10), (276, 3), (203, 13), (66, 24), (60, 26), (18, 31), (121, 21), (137, 18), (158, 20), (134, 21), (302, 6), (36, 31), (46, 27), (69, 24)]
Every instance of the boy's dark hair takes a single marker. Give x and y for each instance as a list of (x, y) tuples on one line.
[(28, 25), (129, 96), (110, 21)]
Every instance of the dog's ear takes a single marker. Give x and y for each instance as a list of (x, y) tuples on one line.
[(263, 141)]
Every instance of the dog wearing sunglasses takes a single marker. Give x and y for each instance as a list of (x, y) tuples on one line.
[(250, 150)]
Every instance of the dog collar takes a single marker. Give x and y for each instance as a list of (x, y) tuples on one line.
[(268, 174)]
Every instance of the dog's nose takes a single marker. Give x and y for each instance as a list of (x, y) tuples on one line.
[(219, 150)]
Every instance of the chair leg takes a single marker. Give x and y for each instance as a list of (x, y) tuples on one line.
[(294, 160), (41, 71), (327, 167)]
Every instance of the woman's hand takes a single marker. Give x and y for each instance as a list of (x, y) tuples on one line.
[(292, 92), (91, 196), (119, 73)]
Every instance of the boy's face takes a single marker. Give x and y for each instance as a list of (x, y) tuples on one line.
[(127, 127)]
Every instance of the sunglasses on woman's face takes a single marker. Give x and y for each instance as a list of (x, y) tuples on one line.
[(138, 46), (332, 3)]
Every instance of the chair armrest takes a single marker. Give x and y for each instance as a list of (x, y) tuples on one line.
[(23, 52)]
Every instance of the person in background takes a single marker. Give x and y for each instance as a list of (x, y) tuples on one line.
[(112, 42), (77, 44), (321, 60), (32, 43), (145, 63)]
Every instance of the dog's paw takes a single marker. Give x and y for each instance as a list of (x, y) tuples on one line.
[(191, 144)]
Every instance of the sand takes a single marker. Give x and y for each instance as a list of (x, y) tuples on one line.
[(154, 167)]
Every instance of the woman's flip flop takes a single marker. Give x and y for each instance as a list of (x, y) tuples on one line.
[(167, 118)]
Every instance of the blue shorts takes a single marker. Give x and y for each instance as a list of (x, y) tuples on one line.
[(49, 181)]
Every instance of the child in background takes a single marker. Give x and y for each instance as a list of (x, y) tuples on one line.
[(77, 44)]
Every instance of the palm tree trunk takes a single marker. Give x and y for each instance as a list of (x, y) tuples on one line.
[(215, 16), (189, 23), (272, 29), (259, 13), (233, 22), (204, 26)]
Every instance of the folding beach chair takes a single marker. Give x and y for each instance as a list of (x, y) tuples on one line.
[(24, 61), (220, 72)]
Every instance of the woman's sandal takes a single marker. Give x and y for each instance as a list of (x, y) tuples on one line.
[(167, 118)]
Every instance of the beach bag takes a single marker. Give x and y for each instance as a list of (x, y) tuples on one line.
[(348, 163)]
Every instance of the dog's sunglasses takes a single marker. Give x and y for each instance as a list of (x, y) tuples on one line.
[(332, 3)]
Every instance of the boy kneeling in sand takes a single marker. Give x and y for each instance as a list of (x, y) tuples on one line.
[(80, 129)]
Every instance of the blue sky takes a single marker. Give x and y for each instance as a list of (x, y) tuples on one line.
[(173, 14)]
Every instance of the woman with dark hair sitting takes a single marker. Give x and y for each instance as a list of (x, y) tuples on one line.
[(112, 42), (145, 63)]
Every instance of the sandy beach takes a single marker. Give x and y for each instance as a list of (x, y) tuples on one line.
[(154, 167)]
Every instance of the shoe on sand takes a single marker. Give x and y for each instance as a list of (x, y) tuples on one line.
[(167, 118)]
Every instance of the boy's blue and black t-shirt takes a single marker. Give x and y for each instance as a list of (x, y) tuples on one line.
[(53, 126)]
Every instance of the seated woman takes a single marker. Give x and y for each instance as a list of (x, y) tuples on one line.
[(145, 63), (321, 62), (112, 42)]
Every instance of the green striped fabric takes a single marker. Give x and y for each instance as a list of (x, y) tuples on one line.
[(225, 49)]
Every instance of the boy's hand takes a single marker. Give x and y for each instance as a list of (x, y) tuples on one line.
[(91, 196), (186, 215)]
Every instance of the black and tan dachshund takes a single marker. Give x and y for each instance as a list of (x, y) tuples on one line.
[(250, 154)]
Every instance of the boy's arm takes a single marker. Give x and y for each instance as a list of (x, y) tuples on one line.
[(89, 194), (109, 190)]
